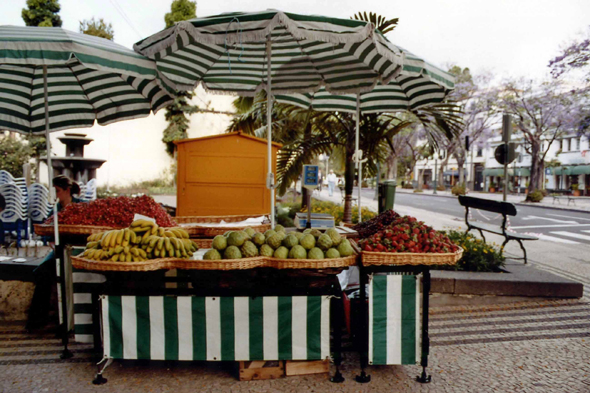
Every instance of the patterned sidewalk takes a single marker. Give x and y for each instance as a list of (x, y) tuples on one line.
[(521, 347)]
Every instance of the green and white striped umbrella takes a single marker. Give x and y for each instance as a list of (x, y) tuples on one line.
[(228, 53), (88, 79), (281, 52), (420, 83)]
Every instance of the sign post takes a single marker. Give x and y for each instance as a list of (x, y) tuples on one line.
[(506, 134), (310, 179)]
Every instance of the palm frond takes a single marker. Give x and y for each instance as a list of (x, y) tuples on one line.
[(380, 22)]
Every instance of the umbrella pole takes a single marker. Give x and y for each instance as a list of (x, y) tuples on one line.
[(59, 259), (359, 165), (270, 183)]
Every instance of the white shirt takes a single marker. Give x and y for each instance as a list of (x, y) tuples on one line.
[(332, 178)]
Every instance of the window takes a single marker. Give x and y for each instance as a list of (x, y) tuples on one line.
[(479, 152), (568, 144), (577, 144), (562, 145)]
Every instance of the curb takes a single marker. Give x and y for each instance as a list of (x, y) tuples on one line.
[(514, 203)]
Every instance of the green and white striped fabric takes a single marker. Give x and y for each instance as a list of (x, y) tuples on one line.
[(89, 78), (227, 53), (216, 328), (419, 84), (395, 328)]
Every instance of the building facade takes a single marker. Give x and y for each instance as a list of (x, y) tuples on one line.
[(567, 167)]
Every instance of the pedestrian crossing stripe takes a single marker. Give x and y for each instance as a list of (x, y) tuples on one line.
[(395, 319), (216, 328)]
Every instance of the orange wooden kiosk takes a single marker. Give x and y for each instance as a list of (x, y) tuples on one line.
[(223, 175)]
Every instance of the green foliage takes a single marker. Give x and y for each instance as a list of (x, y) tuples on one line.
[(13, 155), (418, 190), (477, 255), (97, 28), (176, 113), (381, 23), (459, 189), (42, 13), (180, 10), (178, 122), (440, 187), (535, 196)]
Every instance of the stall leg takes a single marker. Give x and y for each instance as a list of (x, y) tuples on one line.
[(59, 252), (424, 377), (364, 328), (337, 319), (97, 340), (99, 379)]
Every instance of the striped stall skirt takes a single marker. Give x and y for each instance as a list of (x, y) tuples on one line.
[(216, 328), (395, 328)]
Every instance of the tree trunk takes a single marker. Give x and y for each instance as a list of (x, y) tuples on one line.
[(37, 169), (305, 191), (537, 168), (348, 186)]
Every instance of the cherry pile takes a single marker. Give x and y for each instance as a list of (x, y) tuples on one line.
[(114, 212), (406, 234), (375, 224)]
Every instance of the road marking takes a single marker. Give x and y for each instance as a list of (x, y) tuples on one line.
[(552, 226), (556, 239), (548, 219), (571, 234), (575, 218)]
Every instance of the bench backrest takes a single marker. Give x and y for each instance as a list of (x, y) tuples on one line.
[(504, 208)]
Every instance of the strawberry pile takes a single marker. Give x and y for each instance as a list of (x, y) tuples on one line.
[(406, 234), (113, 212)]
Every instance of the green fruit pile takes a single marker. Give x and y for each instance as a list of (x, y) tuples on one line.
[(311, 244)]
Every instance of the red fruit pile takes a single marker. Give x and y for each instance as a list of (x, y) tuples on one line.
[(114, 212), (406, 234), (375, 224)]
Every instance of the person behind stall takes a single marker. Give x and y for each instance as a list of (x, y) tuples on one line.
[(331, 182), (67, 192)]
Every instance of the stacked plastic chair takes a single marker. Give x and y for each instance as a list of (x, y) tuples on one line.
[(15, 215), (39, 206), (89, 192)]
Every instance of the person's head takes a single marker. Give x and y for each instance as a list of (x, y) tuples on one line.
[(2, 203), (65, 188), (331, 171)]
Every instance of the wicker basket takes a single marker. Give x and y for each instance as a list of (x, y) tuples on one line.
[(203, 243), (65, 229), (197, 231), (214, 219), (409, 258), (223, 264)]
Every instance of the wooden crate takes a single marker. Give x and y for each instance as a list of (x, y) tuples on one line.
[(305, 367), (256, 370)]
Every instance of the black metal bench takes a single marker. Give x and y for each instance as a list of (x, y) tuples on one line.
[(560, 194), (503, 208)]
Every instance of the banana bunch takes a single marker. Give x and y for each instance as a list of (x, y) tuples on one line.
[(143, 240)]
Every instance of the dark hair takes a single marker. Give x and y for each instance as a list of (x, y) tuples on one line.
[(66, 183), (2, 202)]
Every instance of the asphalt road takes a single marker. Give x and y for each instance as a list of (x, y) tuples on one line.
[(559, 226)]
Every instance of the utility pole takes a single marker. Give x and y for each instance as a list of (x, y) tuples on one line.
[(435, 173), (506, 131)]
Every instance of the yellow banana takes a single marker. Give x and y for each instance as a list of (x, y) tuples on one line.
[(153, 240), (167, 245), (120, 237), (115, 258), (134, 251), (105, 240), (142, 253), (160, 231), (169, 234), (154, 230), (113, 238), (132, 237), (160, 243), (142, 222), (128, 257), (157, 253), (92, 245)]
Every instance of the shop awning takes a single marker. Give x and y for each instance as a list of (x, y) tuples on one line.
[(495, 172), (522, 172), (581, 170), (453, 173), (559, 170)]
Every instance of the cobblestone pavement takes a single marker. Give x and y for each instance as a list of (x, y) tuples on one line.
[(524, 347)]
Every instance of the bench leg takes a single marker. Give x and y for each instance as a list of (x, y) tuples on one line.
[(482, 236), (523, 250), (503, 244)]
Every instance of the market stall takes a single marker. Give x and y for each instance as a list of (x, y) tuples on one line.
[(251, 297)]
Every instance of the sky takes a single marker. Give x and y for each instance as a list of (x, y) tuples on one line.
[(510, 38)]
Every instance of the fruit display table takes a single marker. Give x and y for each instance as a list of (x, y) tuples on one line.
[(253, 314)]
